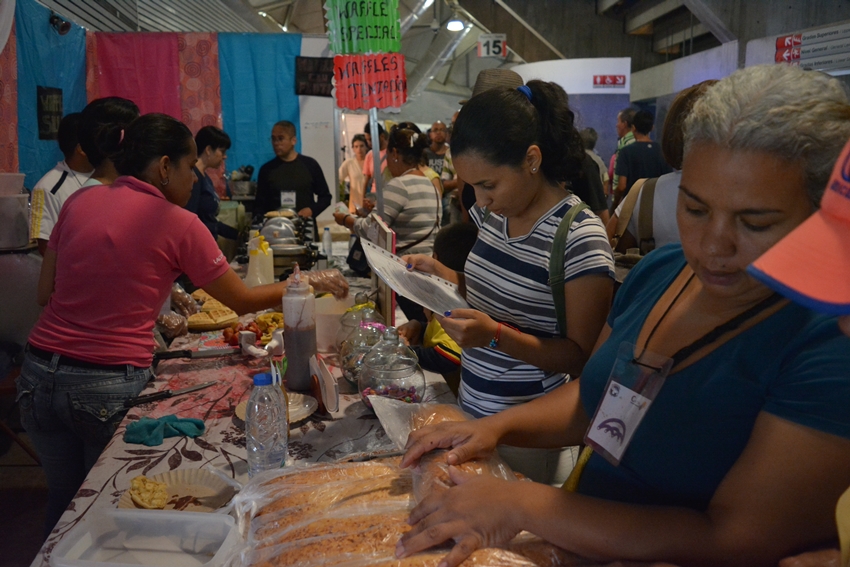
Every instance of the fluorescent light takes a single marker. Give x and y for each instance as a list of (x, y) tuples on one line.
[(455, 25)]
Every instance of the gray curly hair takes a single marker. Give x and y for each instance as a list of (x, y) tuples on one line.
[(797, 115)]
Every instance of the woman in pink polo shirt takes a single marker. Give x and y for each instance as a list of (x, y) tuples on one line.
[(110, 263)]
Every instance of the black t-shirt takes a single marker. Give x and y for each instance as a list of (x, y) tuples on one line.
[(303, 175), (435, 160), (641, 160), (588, 186)]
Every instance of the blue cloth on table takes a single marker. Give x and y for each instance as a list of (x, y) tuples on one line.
[(151, 432)]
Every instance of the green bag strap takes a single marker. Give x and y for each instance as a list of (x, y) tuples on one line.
[(556, 265)]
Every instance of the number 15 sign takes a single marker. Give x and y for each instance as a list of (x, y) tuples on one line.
[(492, 45)]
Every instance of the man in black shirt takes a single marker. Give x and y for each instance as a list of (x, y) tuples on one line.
[(290, 180), (639, 160)]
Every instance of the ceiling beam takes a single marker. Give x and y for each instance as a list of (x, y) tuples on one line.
[(638, 18), (530, 28), (603, 6), (714, 23), (661, 44)]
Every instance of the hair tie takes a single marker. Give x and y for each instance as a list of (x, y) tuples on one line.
[(121, 137), (413, 138), (524, 89)]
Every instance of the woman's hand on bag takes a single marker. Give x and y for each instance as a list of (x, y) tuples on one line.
[(469, 328), (465, 440), (479, 512)]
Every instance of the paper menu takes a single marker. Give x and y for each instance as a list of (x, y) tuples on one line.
[(427, 290)]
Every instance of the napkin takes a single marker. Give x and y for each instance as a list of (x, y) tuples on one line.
[(151, 432)]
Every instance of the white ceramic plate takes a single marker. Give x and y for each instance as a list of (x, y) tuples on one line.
[(300, 407), (192, 490)]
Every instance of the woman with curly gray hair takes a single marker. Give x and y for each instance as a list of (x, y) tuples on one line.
[(743, 452)]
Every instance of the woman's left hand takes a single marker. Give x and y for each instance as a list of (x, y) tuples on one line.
[(479, 512), (469, 327), (340, 218)]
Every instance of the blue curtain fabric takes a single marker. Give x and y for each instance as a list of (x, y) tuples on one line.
[(257, 90), (45, 59)]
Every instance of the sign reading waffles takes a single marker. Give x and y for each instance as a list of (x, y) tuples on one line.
[(370, 81), (609, 81)]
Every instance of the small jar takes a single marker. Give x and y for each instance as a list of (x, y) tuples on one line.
[(391, 369), (367, 334), (350, 320)]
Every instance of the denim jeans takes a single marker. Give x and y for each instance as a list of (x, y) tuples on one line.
[(70, 414)]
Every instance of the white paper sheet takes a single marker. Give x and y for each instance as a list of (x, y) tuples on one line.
[(429, 291)]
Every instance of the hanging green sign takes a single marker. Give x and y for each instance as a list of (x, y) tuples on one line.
[(363, 26)]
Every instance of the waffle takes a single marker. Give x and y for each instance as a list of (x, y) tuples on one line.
[(213, 305), (212, 320), (201, 296)]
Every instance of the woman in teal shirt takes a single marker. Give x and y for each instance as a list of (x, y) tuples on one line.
[(746, 448)]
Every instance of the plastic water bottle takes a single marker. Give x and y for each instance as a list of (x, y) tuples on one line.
[(266, 428), (327, 243)]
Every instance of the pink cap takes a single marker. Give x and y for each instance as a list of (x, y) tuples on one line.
[(811, 265)]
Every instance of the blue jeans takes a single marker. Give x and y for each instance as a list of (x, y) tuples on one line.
[(70, 414)]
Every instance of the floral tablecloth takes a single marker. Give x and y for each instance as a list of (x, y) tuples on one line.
[(351, 430)]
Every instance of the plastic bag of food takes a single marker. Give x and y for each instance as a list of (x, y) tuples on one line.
[(182, 302), (330, 281), (172, 325)]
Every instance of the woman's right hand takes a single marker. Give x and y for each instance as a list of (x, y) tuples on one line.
[(465, 439), (421, 263)]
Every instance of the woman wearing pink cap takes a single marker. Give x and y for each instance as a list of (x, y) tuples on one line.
[(739, 456)]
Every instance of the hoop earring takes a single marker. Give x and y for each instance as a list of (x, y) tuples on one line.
[(164, 182)]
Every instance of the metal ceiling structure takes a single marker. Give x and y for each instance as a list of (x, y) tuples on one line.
[(436, 59)]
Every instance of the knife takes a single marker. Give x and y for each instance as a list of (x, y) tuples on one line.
[(164, 394), (209, 353)]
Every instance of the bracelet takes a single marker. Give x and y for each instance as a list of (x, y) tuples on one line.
[(494, 342), (345, 220)]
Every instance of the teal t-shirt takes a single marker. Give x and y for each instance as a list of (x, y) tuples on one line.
[(795, 365)]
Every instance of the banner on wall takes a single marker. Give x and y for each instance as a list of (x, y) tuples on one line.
[(314, 76), (370, 81), (49, 112), (363, 26), (600, 75)]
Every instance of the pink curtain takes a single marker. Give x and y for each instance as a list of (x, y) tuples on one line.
[(9, 108), (142, 67)]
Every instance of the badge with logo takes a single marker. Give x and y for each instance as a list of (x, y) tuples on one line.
[(287, 199), (632, 386)]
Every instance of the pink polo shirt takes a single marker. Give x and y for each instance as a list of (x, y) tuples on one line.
[(119, 248)]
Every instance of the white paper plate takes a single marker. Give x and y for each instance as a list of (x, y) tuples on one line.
[(190, 490), (300, 406)]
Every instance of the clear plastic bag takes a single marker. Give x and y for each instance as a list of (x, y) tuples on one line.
[(330, 281), (172, 325), (182, 302)]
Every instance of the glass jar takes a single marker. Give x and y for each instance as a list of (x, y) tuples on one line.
[(391, 369), (363, 310), (367, 334)]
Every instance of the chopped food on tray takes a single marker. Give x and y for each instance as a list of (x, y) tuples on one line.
[(148, 493)]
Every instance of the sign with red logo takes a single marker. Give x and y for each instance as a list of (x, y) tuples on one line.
[(784, 41), (609, 81), (370, 81), (787, 55)]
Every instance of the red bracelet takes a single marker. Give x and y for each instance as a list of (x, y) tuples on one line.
[(494, 342)]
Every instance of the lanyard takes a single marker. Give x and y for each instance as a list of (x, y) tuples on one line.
[(713, 335)]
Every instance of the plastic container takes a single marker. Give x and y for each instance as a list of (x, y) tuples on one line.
[(111, 537), (260, 263), (266, 426), (327, 243), (299, 332), (391, 369)]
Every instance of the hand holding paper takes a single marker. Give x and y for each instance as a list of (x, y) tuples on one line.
[(427, 290)]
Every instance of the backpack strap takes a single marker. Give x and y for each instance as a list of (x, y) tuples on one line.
[(646, 242), (556, 265), (626, 212)]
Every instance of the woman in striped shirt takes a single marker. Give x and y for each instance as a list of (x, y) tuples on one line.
[(516, 147)]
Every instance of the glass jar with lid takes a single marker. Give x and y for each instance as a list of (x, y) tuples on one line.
[(350, 320), (391, 369), (367, 334)]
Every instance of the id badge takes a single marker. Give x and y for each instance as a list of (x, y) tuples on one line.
[(632, 386), (287, 199)]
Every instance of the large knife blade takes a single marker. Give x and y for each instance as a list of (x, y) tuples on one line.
[(165, 394), (193, 354)]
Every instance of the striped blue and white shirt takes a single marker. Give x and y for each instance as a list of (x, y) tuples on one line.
[(508, 279)]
